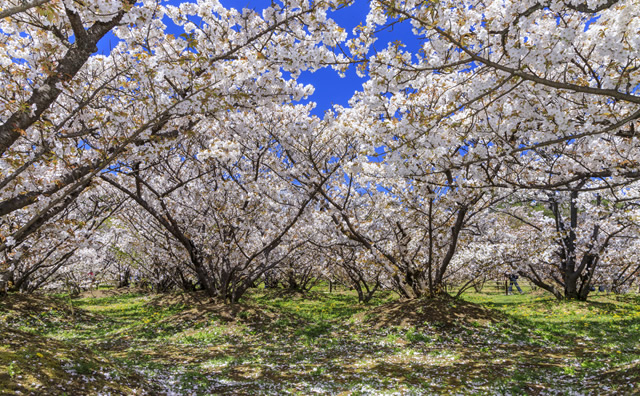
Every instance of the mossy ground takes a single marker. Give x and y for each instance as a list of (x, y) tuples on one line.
[(274, 342)]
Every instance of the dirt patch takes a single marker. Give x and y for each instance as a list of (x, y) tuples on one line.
[(102, 293), (187, 299), (222, 312), (441, 311), (199, 308)]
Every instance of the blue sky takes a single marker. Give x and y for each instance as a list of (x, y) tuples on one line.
[(330, 88)]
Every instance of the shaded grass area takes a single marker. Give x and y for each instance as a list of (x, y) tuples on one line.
[(278, 342), (36, 359)]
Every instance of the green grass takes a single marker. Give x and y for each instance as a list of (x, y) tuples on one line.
[(276, 342)]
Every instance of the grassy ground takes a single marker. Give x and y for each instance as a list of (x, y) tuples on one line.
[(110, 342)]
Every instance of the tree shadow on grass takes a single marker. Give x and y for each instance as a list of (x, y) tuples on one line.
[(30, 363), (33, 304), (386, 369)]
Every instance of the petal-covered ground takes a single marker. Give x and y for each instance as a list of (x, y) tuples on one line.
[(133, 342)]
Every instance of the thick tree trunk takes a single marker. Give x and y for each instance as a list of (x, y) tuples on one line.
[(124, 280), (201, 274), (5, 278)]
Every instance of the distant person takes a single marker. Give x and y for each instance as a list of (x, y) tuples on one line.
[(92, 279), (513, 281)]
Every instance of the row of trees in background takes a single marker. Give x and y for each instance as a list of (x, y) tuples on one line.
[(504, 141)]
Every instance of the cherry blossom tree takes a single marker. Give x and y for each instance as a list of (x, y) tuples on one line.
[(55, 249), (575, 238), (235, 203), (350, 265), (530, 95), (410, 219), (413, 232), (69, 114)]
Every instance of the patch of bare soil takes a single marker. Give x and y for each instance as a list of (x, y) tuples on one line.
[(222, 312), (187, 299), (102, 293), (200, 308), (440, 311)]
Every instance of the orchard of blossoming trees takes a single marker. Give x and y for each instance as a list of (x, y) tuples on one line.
[(506, 140)]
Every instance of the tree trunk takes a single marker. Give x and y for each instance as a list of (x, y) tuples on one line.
[(124, 279)]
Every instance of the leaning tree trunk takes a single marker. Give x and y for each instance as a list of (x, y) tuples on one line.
[(438, 287)]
